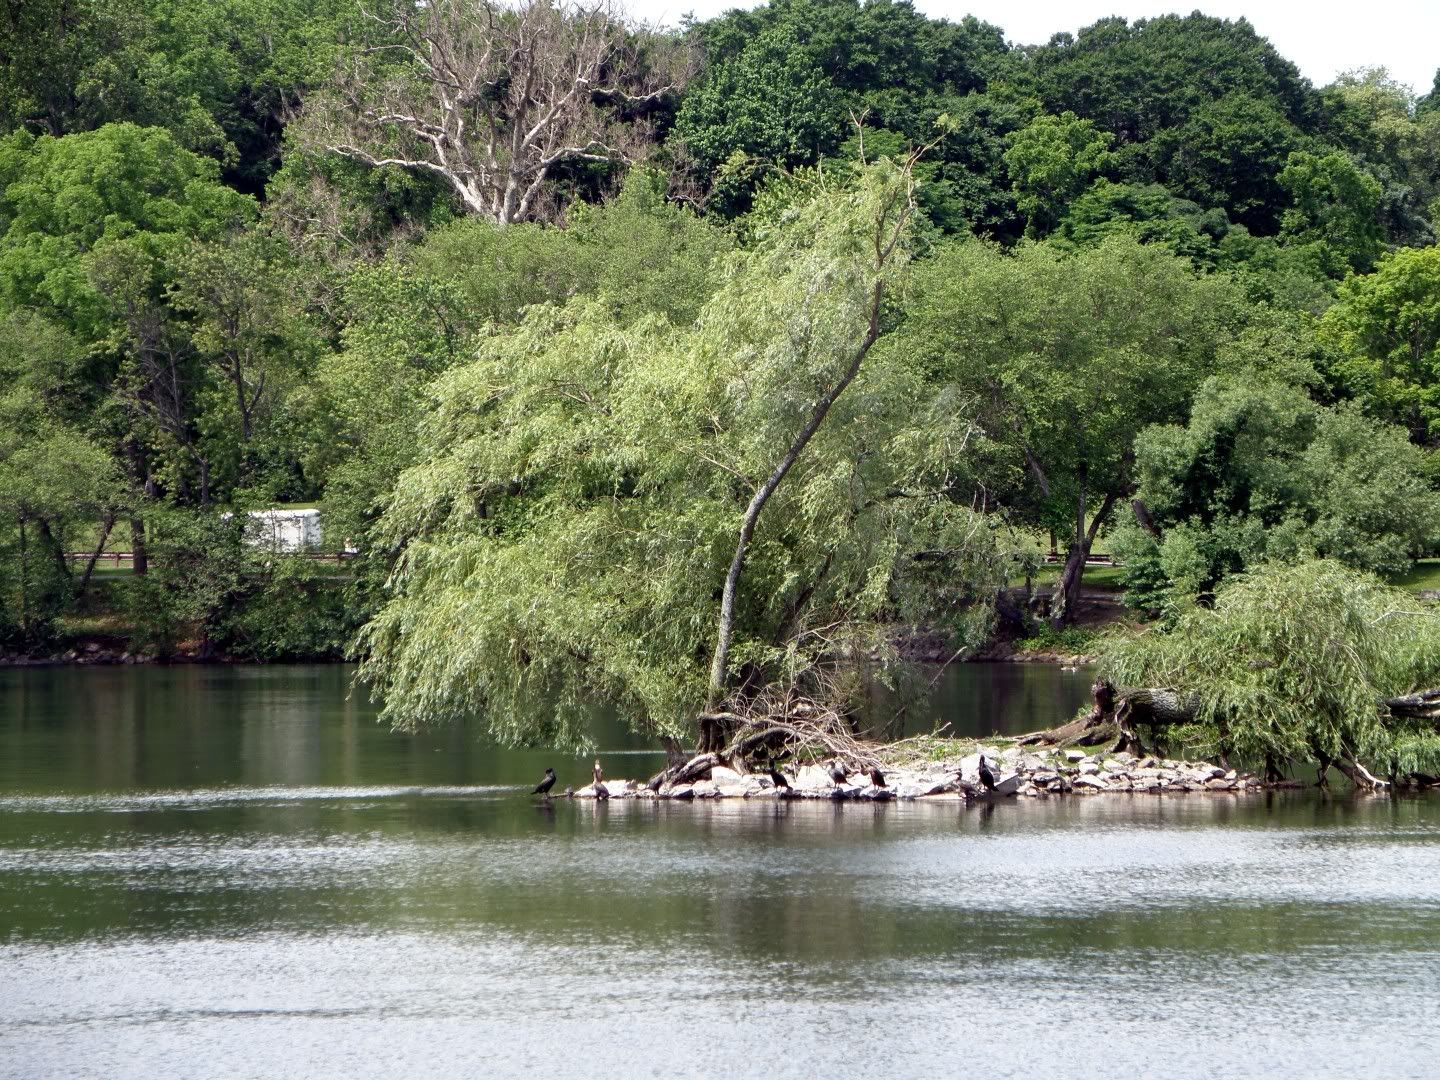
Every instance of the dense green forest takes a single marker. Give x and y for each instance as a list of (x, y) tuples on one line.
[(545, 310)]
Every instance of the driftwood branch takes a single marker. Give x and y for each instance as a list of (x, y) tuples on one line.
[(1421, 705)]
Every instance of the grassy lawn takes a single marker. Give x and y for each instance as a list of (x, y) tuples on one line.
[(1104, 578), (99, 614), (1424, 575)]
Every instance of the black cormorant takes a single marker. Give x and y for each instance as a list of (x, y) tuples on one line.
[(838, 773), (987, 776), (543, 788), (597, 772), (777, 778), (877, 778)]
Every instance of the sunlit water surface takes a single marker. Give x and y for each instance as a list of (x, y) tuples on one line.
[(238, 873)]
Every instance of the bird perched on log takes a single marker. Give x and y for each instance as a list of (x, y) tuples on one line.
[(987, 775), (543, 788), (877, 777), (838, 773)]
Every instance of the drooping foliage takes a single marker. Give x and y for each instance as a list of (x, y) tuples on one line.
[(1293, 663)]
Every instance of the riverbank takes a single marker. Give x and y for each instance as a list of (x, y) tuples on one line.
[(97, 654), (1017, 772)]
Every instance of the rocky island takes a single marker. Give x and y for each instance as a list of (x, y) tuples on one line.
[(1018, 772)]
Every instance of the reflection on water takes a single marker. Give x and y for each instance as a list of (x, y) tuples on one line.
[(254, 880)]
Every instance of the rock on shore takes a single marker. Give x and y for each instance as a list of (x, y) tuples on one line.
[(1019, 773)]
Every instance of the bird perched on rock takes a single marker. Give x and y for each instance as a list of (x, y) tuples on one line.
[(777, 777), (877, 778), (987, 775), (838, 773), (597, 772), (543, 788), (601, 791)]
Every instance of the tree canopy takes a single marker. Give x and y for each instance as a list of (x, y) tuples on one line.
[(1262, 472)]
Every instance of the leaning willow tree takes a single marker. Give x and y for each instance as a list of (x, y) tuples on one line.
[(684, 521)]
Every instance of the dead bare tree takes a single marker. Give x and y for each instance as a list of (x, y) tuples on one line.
[(493, 97)]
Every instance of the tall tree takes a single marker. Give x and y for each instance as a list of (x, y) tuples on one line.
[(239, 302), (1335, 211), (1052, 160), (1260, 472), (1385, 332), (218, 75), (784, 82), (1202, 105), (1072, 356)]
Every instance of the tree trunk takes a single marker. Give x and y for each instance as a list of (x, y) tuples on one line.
[(1421, 705), (1066, 597), (139, 558), (1144, 518), (684, 772), (1066, 600), (1358, 775), (718, 667), (106, 524), (140, 561), (57, 552), (24, 580), (1121, 714), (1152, 708), (1067, 589)]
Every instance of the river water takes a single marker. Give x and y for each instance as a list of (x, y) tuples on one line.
[(235, 872)]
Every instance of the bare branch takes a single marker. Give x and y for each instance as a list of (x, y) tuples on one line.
[(491, 96)]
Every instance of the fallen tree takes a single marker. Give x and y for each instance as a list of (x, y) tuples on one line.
[(1139, 720), (1303, 664)]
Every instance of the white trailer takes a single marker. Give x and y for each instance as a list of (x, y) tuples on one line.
[(283, 531)]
